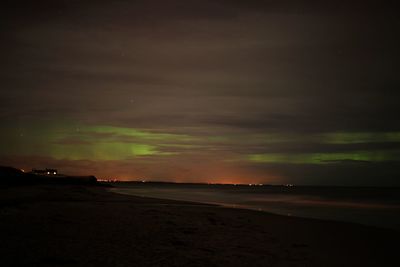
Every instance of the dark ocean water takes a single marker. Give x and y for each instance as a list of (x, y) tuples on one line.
[(374, 206)]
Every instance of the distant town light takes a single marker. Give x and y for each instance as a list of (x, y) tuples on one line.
[(45, 171)]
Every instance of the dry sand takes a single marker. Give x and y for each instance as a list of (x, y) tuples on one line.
[(90, 226)]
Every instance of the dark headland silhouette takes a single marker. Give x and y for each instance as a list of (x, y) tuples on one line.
[(14, 176)]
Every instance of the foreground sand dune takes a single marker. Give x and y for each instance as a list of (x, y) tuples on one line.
[(90, 226)]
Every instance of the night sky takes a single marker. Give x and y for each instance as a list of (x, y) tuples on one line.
[(302, 92)]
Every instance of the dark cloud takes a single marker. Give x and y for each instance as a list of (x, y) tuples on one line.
[(205, 68)]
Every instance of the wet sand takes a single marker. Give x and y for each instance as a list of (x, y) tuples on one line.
[(89, 226)]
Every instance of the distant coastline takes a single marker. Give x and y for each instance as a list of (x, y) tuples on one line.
[(14, 176)]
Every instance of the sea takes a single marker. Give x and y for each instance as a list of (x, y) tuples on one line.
[(374, 206)]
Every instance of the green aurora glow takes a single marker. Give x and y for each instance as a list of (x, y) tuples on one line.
[(102, 143), (73, 142), (326, 158)]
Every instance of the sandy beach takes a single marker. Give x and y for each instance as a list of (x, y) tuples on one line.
[(75, 225)]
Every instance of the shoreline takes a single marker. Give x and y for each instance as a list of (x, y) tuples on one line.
[(79, 225), (128, 192)]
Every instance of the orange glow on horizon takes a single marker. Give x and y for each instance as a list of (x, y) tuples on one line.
[(218, 180)]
